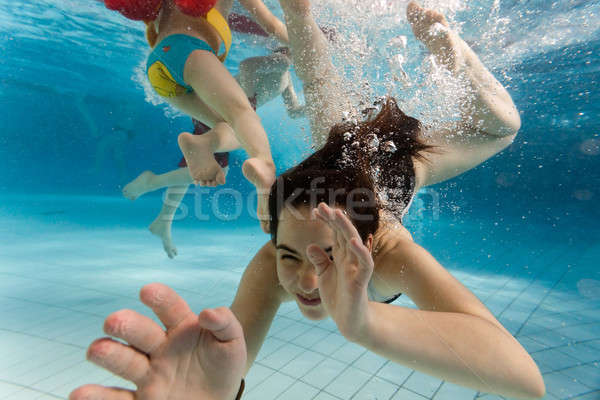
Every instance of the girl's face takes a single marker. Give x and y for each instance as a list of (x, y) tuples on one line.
[(297, 275)]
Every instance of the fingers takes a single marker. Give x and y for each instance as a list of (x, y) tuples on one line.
[(365, 259), (168, 306), (347, 236), (119, 359), (319, 258), (137, 330), (338, 221), (222, 323), (97, 392)]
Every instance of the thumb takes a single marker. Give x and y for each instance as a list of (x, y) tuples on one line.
[(221, 323), (318, 257)]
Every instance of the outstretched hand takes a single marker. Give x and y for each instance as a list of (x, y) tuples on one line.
[(343, 280), (197, 356)]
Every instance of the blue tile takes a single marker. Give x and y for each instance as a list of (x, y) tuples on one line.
[(376, 389), (563, 386), (269, 346), (450, 391), (302, 364), (348, 383), (257, 374), (271, 388), (324, 373), (588, 374), (325, 396), (581, 352), (394, 373), (282, 356), (593, 395), (554, 358), (309, 338), (349, 352), (370, 362), (7, 389), (582, 332), (530, 344), (24, 394), (404, 394), (292, 331), (330, 344), (299, 391), (423, 384)]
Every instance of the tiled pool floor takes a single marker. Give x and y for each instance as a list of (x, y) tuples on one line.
[(65, 265)]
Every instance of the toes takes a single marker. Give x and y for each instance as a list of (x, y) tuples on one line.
[(412, 11)]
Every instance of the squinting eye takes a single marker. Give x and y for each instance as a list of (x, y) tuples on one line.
[(287, 257)]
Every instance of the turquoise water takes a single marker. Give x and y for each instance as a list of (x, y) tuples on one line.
[(78, 123)]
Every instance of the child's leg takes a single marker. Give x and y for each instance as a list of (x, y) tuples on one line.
[(223, 138), (148, 181), (265, 77), (290, 99), (325, 104), (220, 91), (161, 226), (205, 170), (215, 86), (252, 67)]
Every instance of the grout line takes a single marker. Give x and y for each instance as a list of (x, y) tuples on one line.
[(30, 388)]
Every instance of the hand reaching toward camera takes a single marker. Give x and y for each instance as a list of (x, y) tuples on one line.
[(197, 356)]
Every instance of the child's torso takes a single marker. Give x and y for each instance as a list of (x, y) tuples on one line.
[(172, 21)]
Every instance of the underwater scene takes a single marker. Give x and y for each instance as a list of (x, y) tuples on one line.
[(300, 200)]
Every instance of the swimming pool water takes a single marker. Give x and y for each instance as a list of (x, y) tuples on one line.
[(521, 231), (67, 262)]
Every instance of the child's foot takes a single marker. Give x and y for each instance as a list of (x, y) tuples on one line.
[(262, 175), (199, 156), (138, 186), (431, 28), (162, 229)]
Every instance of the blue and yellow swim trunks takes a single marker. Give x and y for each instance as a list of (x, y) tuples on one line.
[(166, 63)]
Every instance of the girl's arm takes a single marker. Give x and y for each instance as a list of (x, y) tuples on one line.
[(270, 23), (490, 120), (258, 298), (452, 335)]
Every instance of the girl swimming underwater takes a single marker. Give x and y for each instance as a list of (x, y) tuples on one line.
[(347, 257)]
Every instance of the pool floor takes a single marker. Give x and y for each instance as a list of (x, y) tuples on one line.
[(67, 262)]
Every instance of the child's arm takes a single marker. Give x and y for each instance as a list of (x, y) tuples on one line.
[(452, 335), (258, 298), (270, 23)]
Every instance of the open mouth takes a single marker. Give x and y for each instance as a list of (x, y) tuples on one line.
[(309, 302)]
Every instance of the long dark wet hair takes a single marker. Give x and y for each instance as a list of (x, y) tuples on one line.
[(362, 168)]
